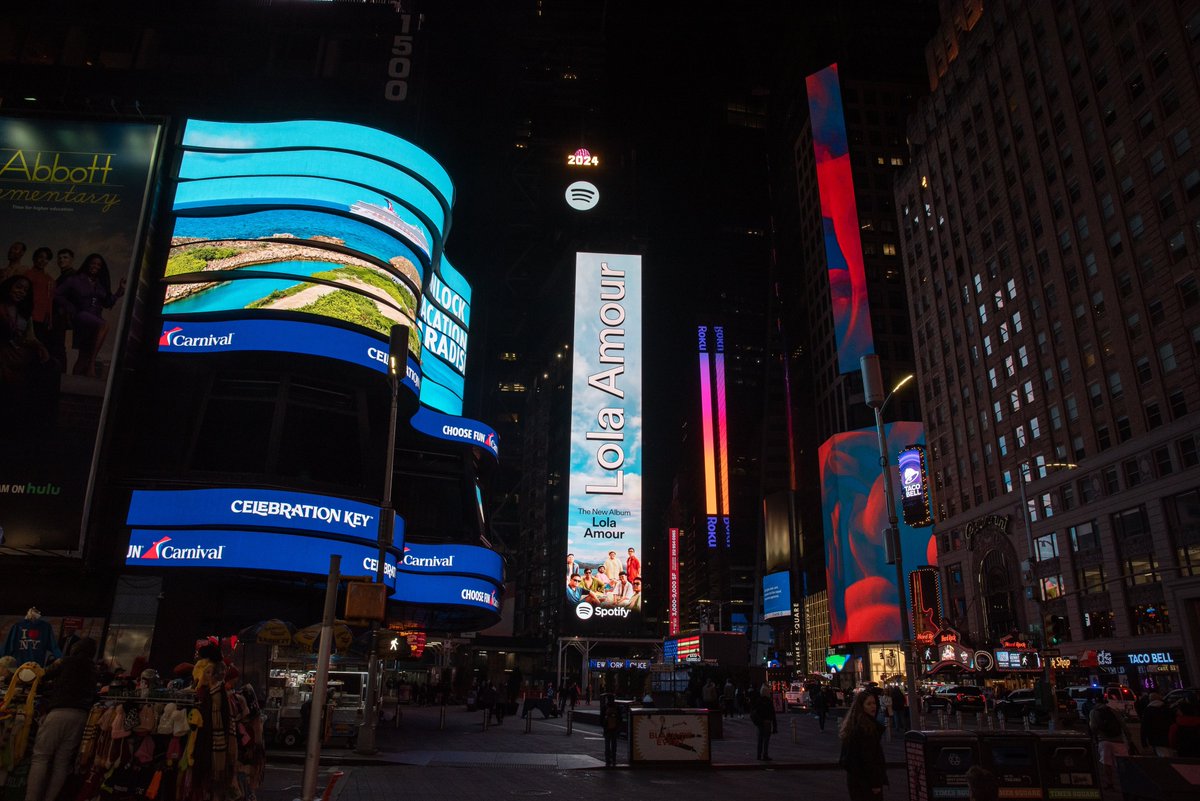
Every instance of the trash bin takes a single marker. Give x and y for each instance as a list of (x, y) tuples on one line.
[(938, 762), (1013, 760), (1068, 766), (1159, 778)]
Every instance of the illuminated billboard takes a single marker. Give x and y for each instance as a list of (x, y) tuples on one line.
[(925, 597), (777, 595), (839, 220), (914, 487), (714, 438), (253, 550), (604, 501), (330, 220), (72, 202), (863, 600), (445, 319), (673, 581)]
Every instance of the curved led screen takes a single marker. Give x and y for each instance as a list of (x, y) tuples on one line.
[(206, 135), (253, 550), (863, 601), (258, 508)]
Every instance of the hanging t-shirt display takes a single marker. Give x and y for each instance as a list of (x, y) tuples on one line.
[(31, 641)]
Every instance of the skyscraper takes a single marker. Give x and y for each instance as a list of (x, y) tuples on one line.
[(1046, 227)]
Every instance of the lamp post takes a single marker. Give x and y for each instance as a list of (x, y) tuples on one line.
[(397, 362), (872, 378), (1047, 674)]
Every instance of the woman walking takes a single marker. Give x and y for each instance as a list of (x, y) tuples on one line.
[(763, 718), (862, 752)]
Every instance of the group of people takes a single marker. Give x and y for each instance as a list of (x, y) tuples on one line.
[(37, 310), (612, 585), (1166, 730)]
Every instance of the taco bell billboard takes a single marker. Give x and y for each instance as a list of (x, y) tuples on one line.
[(604, 515)]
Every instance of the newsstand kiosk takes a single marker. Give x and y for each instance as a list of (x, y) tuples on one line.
[(1025, 765)]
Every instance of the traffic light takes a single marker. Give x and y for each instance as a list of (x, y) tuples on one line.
[(390, 645)]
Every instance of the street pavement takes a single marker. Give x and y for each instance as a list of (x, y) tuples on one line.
[(426, 757)]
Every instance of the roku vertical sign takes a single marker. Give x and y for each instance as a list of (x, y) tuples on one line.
[(711, 342), (604, 514), (673, 581)]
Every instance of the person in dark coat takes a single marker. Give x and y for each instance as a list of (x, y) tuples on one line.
[(610, 723), (1156, 719), (862, 751), (763, 718), (72, 688), (820, 705)]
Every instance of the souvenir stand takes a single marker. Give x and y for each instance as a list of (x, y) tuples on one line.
[(201, 737)]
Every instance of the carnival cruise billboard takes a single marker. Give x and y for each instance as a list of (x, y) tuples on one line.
[(603, 581)]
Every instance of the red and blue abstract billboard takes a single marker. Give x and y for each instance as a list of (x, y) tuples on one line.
[(864, 605), (839, 220)]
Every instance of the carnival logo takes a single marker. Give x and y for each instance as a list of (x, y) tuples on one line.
[(173, 338), (152, 552)]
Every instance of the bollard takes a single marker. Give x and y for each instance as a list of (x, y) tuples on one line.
[(486, 718), (942, 719), (570, 721), (442, 719), (1003, 721), (1025, 720), (978, 721), (958, 719), (794, 738), (529, 722), (889, 733)]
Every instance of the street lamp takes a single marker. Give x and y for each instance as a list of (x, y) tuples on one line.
[(1047, 674), (872, 378)]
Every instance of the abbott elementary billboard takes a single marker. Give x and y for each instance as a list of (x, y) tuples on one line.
[(603, 581)]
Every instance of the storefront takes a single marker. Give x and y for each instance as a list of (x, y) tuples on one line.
[(1143, 670)]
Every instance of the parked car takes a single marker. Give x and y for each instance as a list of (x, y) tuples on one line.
[(955, 698), (1024, 705), (1175, 696), (797, 696)]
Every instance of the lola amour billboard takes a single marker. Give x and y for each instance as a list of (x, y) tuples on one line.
[(604, 515), (863, 604)]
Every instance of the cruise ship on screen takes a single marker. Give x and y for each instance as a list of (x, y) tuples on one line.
[(392, 220)]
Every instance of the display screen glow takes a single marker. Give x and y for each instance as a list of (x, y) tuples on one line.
[(777, 595), (715, 440), (914, 487), (863, 599), (604, 500), (839, 218)]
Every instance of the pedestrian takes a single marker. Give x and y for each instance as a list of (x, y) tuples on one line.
[(900, 715), (728, 695), (610, 719), (587, 694), (1108, 727), (709, 695), (820, 705), (862, 752), (72, 688), (762, 715), (1184, 734), (982, 784), (573, 694), (1156, 719)]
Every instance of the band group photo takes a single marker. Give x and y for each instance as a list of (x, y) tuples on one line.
[(609, 583)]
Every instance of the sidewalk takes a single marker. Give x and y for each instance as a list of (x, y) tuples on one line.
[(421, 739)]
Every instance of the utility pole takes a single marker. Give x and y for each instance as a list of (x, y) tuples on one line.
[(873, 390)]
